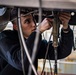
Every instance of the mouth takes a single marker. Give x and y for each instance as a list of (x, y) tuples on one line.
[(33, 30)]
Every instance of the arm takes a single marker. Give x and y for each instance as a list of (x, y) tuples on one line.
[(66, 40), (64, 47)]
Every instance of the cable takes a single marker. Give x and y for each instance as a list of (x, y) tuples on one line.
[(36, 38), (46, 55), (50, 65), (74, 47), (19, 23), (55, 66), (24, 44)]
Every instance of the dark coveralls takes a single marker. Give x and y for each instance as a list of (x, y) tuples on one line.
[(10, 50)]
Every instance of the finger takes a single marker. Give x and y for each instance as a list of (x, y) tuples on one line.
[(65, 14), (50, 21), (65, 17)]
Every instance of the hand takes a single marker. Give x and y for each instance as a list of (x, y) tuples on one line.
[(45, 24), (65, 17)]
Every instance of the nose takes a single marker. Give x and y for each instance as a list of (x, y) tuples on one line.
[(33, 23)]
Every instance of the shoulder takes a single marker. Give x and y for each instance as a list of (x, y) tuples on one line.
[(2, 35), (8, 40), (43, 43), (10, 34)]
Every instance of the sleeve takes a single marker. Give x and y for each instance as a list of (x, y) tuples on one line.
[(64, 47)]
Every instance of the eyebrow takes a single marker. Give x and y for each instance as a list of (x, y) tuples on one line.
[(27, 19)]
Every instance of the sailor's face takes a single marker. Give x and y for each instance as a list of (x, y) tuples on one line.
[(28, 25)]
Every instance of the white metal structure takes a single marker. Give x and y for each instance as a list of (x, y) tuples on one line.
[(54, 4)]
